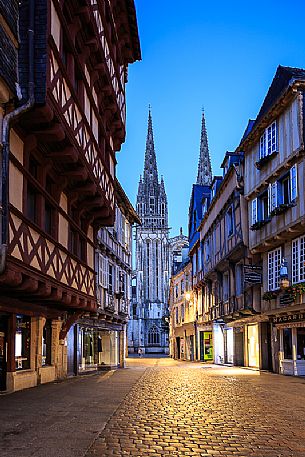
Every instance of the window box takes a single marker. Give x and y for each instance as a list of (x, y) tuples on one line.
[(296, 289), (259, 224), (282, 208), (263, 160), (270, 295)]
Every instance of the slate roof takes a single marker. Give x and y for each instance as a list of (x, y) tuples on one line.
[(283, 77)]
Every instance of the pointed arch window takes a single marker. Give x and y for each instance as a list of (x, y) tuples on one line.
[(154, 336)]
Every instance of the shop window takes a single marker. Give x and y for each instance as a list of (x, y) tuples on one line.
[(301, 343), (22, 342), (287, 340), (47, 343), (274, 263)]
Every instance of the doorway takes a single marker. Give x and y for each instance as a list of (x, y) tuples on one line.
[(178, 346), (3, 351)]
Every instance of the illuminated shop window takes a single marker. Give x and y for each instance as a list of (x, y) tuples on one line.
[(22, 342)]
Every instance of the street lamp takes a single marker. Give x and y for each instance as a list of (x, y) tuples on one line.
[(188, 296), (284, 280)]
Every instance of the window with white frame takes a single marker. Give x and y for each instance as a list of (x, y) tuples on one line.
[(103, 271), (260, 208), (274, 263), (283, 191), (298, 259), (268, 141)]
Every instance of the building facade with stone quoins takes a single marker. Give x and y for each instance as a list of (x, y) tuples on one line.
[(63, 122)]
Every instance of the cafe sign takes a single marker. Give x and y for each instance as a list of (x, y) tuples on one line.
[(288, 318)]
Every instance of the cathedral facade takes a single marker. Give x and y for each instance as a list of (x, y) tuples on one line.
[(148, 326)]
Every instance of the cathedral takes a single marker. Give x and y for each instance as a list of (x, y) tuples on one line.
[(148, 323)]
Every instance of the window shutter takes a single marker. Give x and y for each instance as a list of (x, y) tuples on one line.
[(293, 183), (117, 279), (254, 211), (100, 270), (105, 272), (272, 196)]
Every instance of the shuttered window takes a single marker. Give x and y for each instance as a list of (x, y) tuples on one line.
[(274, 263), (254, 217), (103, 271), (273, 196), (268, 141), (298, 259), (293, 182)]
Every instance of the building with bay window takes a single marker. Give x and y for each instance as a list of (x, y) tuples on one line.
[(65, 70)]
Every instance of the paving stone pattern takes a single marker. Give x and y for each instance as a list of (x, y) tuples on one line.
[(200, 410)]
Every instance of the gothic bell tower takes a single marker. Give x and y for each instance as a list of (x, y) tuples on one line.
[(148, 328)]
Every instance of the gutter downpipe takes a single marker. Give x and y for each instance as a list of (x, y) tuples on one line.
[(4, 184)]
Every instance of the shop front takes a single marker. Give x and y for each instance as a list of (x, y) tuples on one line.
[(252, 332), (92, 348), (289, 330), (205, 338), (223, 343)]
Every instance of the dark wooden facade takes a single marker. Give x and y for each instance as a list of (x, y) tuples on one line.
[(62, 155)]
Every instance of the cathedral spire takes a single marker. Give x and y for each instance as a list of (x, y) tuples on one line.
[(150, 163), (204, 176)]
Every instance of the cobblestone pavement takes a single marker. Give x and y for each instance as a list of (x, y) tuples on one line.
[(191, 409), (61, 419)]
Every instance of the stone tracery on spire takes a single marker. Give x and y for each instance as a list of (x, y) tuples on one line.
[(204, 176)]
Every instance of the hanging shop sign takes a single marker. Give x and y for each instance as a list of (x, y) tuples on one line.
[(288, 318), (253, 274)]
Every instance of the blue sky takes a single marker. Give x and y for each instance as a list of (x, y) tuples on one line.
[(220, 55)]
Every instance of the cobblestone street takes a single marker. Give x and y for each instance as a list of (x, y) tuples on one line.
[(200, 410), (158, 407)]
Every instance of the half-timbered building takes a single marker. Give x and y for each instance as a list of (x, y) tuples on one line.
[(99, 342), (274, 189), (58, 174)]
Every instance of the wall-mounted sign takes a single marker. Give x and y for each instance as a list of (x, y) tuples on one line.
[(288, 318), (286, 299), (253, 274)]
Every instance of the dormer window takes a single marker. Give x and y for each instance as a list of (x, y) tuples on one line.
[(268, 141), (204, 206)]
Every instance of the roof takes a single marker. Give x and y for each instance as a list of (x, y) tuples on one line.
[(133, 26), (124, 201), (283, 78)]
